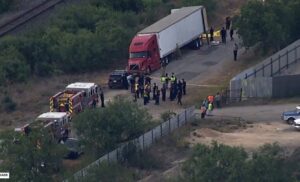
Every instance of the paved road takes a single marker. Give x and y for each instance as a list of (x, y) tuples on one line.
[(265, 113), (197, 66)]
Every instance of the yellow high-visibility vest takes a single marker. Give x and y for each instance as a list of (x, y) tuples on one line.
[(163, 79), (136, 87), (173, 78)]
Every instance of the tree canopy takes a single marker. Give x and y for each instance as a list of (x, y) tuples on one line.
[(35, 157), (219, 162), (102, 129), (272, 23)]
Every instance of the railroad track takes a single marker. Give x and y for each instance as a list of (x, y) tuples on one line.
[(26, 16)]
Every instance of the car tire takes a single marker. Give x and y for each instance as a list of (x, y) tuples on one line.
[(290, 121)]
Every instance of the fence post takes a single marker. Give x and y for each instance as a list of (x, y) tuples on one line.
[(177, 121), (241, 93), (185, 117), (143, 141), (296, 48), (117, 154), (263, 70), (169, 125), (271, 67), (279, 66), (255, 72), (161, 134), (246, 76), (152, 135), (287, 59)]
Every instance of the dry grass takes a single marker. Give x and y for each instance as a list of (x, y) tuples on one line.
[(32, 98)]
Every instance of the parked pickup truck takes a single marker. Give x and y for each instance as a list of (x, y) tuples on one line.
[(291, 116)]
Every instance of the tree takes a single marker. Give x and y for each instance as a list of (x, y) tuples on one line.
[(103, 129), (271, 23), (107, 172), (219, 162), (5, 5), (216, 163), (35, 157)]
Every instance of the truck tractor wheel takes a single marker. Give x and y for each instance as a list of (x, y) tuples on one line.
[(197, 43), (290, 121)]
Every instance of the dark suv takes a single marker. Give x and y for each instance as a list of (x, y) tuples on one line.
[(117, 79)]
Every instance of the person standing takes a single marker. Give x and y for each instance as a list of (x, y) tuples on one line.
[(223, 35), (179, 86), (163, 92), (231, 34), (102, 98), (141, 90), (210, 108), (137, 90), (125, 81), (183, 87), (211, 31), (218, 100), (167, 80), (154, 89), (145, 98), (179, 96), (157, 95), (235, 51), (203, 111), (228, 22)]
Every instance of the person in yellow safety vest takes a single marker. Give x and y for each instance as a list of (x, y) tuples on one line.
[(173, 78), (163, 79), (136, 90)]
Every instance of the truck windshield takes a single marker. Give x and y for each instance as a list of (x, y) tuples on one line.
[(143, 54)]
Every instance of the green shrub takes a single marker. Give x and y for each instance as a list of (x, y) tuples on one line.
[(107, 172), (8, 104), (5, 5), (133, 157)]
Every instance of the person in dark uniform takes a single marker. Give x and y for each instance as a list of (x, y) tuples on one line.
[(94, 103), (179, 86), (231, 34), (102, 97), (163, 93), (154, 89), (179, 96), (157, 97), (211, 31), (183, 87), (125, 81), (223, 35), (67, 105), (145, 98)]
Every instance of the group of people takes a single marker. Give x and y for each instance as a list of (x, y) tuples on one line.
[(224, 33), (141, 87), (209, 104)]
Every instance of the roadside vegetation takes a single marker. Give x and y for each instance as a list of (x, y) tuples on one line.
[(101, 130), (36, 157), (273, 24), (5, 5), (219, 162), (82, 38)]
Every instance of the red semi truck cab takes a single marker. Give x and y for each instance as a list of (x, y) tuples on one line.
[(143, 54)]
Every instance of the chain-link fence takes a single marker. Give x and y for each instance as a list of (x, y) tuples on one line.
[(141, 143)]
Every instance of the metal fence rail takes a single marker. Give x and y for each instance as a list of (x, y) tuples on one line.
[(143, 142), (275, 66)]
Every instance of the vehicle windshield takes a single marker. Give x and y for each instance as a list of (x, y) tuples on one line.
[(143, 54)]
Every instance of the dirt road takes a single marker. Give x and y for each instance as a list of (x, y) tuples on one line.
[(256, 113)]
